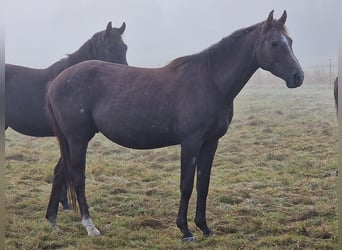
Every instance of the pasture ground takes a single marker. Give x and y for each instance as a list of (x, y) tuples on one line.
[(273, 183)]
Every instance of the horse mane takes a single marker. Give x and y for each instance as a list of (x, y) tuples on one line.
[(85, 52), (209, 58), (205, 57)]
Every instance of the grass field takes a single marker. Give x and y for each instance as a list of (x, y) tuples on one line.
[(273, 184)]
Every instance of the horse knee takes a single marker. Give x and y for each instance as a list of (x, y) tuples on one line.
[(186, 192)]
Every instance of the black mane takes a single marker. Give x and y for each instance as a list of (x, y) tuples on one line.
[(216, 53), (85, 52)]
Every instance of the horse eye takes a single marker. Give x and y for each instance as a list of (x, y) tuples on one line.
[(274, 44)]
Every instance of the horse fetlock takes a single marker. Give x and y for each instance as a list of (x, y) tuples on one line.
[(202, 224), (89, 226), (53, 223), (187, 235)]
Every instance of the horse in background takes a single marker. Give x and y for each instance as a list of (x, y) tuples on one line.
[(187, 102), (25, 88)]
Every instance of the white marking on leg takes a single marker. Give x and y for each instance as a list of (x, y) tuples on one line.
[(89, 226)]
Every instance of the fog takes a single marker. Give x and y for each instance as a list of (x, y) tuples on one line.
[(40, 32)]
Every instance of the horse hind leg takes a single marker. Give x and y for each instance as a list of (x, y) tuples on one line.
[(52, 210), (78, 150)]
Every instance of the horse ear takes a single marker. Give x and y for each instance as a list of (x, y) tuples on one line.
[(122, 28), (269, 20), (282, 19), (109, 28)]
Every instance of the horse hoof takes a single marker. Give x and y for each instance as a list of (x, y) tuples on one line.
[(93, 232), (89, 226), (189, 239), (208, 234), (53, 223)]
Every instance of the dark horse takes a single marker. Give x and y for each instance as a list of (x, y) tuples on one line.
[(25, 88), (336, 93), (187, 102)]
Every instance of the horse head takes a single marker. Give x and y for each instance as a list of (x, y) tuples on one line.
[(274, 51)]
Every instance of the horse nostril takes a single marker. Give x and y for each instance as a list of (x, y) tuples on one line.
[(297, 78)]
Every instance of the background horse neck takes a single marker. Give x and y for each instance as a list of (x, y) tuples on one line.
[(85, 52)]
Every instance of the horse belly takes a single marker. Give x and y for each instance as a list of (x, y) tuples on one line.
[(134, 121), (143, 139), (26, 114)]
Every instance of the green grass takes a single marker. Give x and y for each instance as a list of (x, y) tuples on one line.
[(273, 184)]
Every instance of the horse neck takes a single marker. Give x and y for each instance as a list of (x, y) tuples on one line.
[(232, 62), (84, 53)]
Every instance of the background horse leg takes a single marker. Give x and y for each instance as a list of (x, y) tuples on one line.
[(189, 153), (204, 165), (64, 197), (78, 150), (57, 185)]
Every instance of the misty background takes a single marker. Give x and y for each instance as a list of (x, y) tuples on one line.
[(40, 32)]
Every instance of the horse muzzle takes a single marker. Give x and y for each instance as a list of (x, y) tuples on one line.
[(296, 80)]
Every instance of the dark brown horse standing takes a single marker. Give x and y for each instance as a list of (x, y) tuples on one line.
[(25, 88), (187, 102)]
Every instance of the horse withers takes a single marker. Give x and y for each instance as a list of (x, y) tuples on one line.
[(25, 88), (187, 102)]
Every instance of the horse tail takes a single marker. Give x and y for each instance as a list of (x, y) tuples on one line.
[(65, 166)]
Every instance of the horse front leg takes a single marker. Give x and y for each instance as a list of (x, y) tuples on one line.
[(189, 154), (204, 165)]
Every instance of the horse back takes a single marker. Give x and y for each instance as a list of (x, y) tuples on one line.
[(21, 76)]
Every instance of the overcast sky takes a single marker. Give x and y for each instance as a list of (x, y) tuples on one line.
[(40, 32)]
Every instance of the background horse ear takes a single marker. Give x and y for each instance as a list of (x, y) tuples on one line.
[(282, 19), (108, 30), (269, 20), (122, 28)]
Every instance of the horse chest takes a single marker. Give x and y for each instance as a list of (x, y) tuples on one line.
[(221, 124)]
